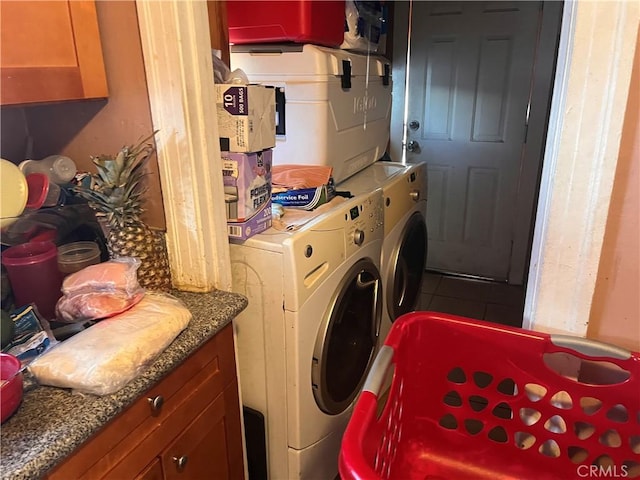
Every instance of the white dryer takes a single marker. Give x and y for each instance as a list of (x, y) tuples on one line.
[(309, 334), (404, 250)]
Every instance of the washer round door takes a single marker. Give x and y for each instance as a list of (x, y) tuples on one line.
[(346, 342), (409, 262)]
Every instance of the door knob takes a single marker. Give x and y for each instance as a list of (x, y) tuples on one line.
[(413, 146), (414, 125)]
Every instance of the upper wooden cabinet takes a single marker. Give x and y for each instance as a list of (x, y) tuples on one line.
[(50, 51), (218, 29)]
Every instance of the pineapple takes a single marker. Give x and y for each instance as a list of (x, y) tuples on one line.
[(116, 194)]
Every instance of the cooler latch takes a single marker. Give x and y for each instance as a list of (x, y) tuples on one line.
[(345, 79), (385, 77), (281, 125)]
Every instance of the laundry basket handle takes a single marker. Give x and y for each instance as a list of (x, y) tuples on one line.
[(591, 348), (378, 371)]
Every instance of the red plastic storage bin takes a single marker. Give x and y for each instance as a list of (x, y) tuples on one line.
[(298, 21), (474, 400)]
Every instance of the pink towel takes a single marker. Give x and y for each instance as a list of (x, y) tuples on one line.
[(294, 177)]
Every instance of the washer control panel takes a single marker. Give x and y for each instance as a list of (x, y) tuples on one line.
[(331, 239), (365, 219)]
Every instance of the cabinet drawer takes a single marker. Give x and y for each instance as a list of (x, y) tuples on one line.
[(140, 432)]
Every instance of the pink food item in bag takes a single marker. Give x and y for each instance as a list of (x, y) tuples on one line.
[(84, 306), (116, 274)]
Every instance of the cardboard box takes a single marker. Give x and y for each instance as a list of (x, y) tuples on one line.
[(247, 183), (260, 222), (247, 190), (246, 117)]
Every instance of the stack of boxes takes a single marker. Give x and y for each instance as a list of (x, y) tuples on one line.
[(333, 96), (314, 99), (246, 122)]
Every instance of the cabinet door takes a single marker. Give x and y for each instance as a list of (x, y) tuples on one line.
[(218, 30), (201, 450), (50, 51)]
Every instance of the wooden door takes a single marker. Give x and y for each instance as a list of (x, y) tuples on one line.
[(470, 72)]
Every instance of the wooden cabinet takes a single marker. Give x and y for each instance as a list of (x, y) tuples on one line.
[(50, 51), (152, 472), (185, 427), (218, 29)]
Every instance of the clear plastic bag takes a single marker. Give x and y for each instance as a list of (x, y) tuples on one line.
[(84, 306), (117, 274), (32, 334), (106, 356), (363, 25), (100, 291), (222, 73)]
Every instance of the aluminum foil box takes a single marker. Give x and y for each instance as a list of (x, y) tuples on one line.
[(246, 117), (305, 198)]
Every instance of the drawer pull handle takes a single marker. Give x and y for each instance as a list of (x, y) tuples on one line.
[(156, 403), (181, 462)]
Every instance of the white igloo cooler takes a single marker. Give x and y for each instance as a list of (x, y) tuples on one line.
[(333, 106)]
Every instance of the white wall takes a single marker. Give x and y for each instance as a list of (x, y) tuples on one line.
[(615, 313), (598, 43)]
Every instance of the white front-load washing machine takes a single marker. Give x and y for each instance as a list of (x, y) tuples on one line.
[(404, 249), (308, 335)]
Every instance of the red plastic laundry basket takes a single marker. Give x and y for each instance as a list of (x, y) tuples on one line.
[(474, 400)]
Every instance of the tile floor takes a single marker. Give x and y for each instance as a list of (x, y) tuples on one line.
[(492, 301)]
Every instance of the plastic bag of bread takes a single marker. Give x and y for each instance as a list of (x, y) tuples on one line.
[(106, 356)]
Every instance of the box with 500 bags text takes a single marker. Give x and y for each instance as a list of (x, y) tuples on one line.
[(246, 117)]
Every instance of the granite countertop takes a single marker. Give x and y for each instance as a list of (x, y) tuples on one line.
[(52, 422)]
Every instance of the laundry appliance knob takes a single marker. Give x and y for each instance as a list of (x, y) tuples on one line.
[(358, 237)]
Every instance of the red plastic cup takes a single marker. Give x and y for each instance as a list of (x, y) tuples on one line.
[(11, 394), (34, 276)]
